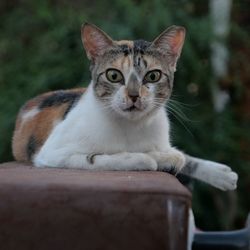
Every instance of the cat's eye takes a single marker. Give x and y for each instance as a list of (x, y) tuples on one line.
[(114, 75), (153, 76)]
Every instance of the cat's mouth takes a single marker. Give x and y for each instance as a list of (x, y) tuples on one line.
[(132, 108)]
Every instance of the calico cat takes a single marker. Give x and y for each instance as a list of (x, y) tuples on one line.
[(119, 122)]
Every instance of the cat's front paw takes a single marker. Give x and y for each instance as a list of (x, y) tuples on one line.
[(144, 162), (224, 177), (172, 161)]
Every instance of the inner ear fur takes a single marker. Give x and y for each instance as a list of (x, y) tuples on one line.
[(95, 41), (170, 42)]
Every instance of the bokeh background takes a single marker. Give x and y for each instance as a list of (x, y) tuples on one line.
[(41, 50)]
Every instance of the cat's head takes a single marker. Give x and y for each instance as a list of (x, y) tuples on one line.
[(132, 78)]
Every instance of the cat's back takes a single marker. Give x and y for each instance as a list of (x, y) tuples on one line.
[(38, 117)]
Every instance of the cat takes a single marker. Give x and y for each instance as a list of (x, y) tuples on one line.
[(119, 122)]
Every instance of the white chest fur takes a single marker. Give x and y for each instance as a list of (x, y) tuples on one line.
[(91, 128)]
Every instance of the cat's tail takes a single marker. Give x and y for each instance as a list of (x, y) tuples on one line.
[(216, 174)]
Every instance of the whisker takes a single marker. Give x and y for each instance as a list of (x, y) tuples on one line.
[(180, 113), (174, 110), (181, 122), (182, 104), (106, 107), (173, 107)]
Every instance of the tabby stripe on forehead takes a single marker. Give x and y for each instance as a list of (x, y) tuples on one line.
[(144, 62), (125, 49), (139, 61), (140, 46)]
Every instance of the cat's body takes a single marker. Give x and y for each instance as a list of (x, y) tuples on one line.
[(94, 131), (119, 122)]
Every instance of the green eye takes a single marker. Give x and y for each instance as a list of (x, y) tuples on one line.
[(114, 75), (153, 76)]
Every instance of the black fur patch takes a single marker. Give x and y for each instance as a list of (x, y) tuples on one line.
[(190, 168), (125, 49), (140, 46), (59, 98), (31, 147), (71, 105)]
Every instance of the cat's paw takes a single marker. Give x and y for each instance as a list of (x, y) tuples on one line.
[(172, 161), (224, 177), (144, 162)]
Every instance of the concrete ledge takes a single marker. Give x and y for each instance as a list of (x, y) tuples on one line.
[(75, 209)]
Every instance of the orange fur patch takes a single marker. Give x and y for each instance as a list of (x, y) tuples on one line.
[(129, 43), (37, 123), (143, 91)]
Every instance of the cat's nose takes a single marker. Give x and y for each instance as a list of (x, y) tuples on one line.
[(133, 97)]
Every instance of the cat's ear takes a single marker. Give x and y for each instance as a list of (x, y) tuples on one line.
[(95, 41), (170, 42)]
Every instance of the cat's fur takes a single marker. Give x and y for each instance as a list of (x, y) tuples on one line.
[(114, 125)]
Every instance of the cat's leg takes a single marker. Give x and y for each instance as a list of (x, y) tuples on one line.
[(213, 173), (119, 161), (171, 161)]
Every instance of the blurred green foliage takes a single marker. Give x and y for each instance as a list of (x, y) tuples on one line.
[(41, 50)]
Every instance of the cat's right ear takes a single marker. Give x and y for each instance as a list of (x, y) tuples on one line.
[(95, 41)]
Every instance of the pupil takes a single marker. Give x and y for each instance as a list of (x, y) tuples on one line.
[(114, 76), (153, 77)]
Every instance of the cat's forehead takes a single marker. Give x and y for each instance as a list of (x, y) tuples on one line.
[(135, 47), (128, 43), (132, 54)]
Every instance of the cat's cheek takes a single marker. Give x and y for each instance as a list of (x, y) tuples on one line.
[(120, 100), (151, 89), (118, 104), (147, 103), (144, 104)]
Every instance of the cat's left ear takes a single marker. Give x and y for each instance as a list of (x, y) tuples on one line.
[(95, 41), (170, 42)]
